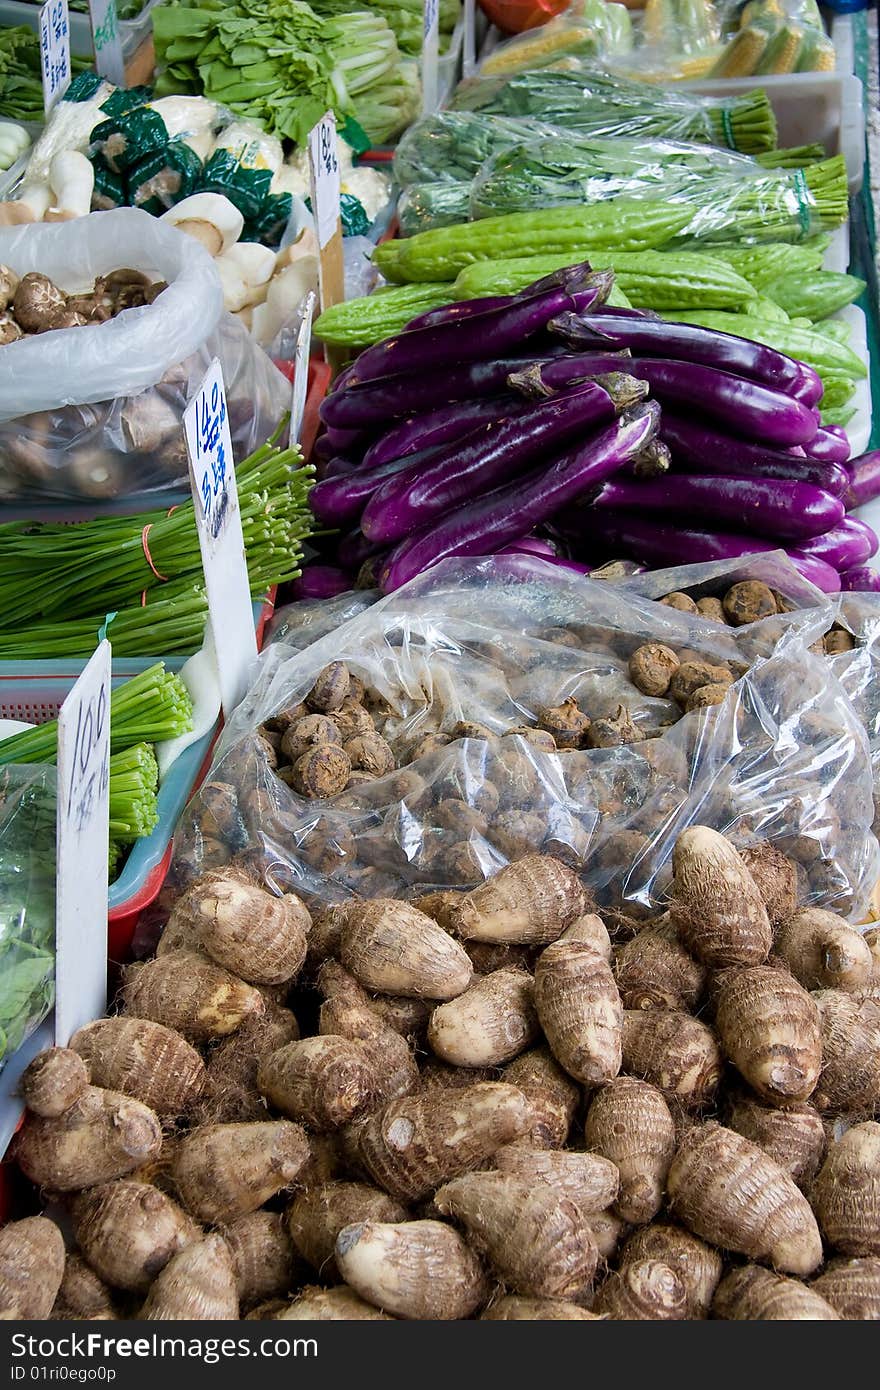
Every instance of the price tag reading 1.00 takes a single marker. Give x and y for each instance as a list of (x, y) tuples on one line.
[(218, 522), (54, 51), (83, 825), (430, 55), (107, 41)]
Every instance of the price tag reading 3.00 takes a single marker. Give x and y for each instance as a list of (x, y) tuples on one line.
[(83, 824), (54, 51)]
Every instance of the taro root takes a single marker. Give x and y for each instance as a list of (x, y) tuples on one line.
[(566, 722), (370, 753), (643, 1291), (850, 1077), (611, 731), (630, 1123), (731, 1194), (53, 1081), (823, 951), (517, 833), (681, 602), (793, 1137), (579, 1009), (282, 720), (322, 771), (846, 1194), (8, 285), (128, 1230), (552, 1095), (35, 302), (9, 330), (769, 1028), (198, 1284), (489, 1024), (330, 688), (752, 1294), (838, 640), (225, 1171), (413, 1269), (459, 817), (317, 1215), (82, 1295), (538, 738), (691, 675), (351, 718), (712, 609), (776, 878), (651, 668), (31, 1268), (469, 728), (674, 1052), (103, 1135), (714, 693), (298, 738), (852, 1287), (695, 1262), (427, 745), (716, 906), (748, 602)]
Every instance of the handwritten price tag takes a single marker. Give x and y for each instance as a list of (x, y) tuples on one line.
[(301, 370), (107, 41), (82, 836), (54, 51), (430, 56), (218, 522), (324, 166)]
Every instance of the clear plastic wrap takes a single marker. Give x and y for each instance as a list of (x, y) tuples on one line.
[(733, 196), (27, 902), (96, 411), (596, 102), (587, 29), (493, 643), (453, 146)]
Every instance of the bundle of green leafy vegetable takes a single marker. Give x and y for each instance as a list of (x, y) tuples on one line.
[(594, 102), (27, 902), (21, 88), (280, 62), (405, 17)]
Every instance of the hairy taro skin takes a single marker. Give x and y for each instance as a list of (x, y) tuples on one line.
[(630, 1123), (716, 906), (770, 1030)]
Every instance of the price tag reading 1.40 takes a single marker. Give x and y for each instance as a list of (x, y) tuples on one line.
[(82, 837), (218, 522), (54, 51), (430, 55)]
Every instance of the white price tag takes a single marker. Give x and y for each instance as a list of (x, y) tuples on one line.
[(54, 51), (430, 56), (107, 41), (469, 56), (324, 168), (218, 521), (82, 836), (301, 370)]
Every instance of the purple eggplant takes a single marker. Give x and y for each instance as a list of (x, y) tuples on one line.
[(697, 448), (864, 484), (664, 543), (484, 526), (352, 443), (467, 339), (338, 468), (339, 501), (846, 546), (353, 549), (827, 445), (862, 579), (745, 407), (435, 427), (320, 581), (530, 545), (374, 403), (686, 342), (489, 456), (467, 308), (756, 506)]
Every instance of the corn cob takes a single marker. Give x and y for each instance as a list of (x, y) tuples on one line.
[(742, 55), (817, 53), (782, 52)]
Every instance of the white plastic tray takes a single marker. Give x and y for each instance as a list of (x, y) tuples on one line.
[(131, 31), (859, 427), (811, 107)]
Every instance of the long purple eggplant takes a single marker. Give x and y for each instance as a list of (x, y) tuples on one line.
[(372, 403), (828, 446), (320, 581), (484, 526), (756, 506), (864, 484), (862, 579), (664, 543), (689, 343), (337, 468), (697, 448), (465, 340), (492, 455), (339, 501), (847, 545), (353, 549), (747, 408), (530, 545), (441, 426), (466, 308)]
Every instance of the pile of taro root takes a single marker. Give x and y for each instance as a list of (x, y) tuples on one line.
[(477, 1105)]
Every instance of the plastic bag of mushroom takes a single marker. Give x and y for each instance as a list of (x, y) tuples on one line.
[(496, 708)]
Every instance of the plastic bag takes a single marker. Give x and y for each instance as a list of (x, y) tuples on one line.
[(767, 37), (299, 624), (27, 902), (733, 197), (596, 102), (96, 411), (490, 643), (453, 146), (588, 28)]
